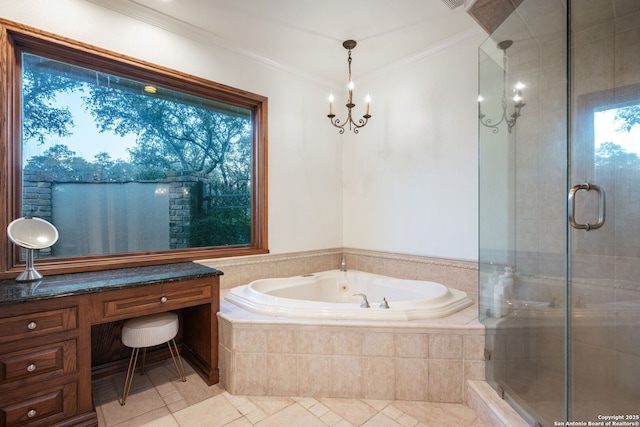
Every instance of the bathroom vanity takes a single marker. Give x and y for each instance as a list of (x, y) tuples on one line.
[(46, 334)]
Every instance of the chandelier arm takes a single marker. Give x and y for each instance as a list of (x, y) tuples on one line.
[(336, 122), (489, 123), (361, 122)]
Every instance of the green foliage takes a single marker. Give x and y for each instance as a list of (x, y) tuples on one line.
[(39, 90), (150, 174), (222, 227), (629, 116), (173, 134), (612, 155), (62, 164)]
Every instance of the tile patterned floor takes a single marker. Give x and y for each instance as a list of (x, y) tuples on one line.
[(159, 399)]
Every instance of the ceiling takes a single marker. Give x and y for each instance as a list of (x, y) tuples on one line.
[(305, 36)]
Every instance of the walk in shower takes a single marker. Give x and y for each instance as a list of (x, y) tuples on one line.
[(560, 210)]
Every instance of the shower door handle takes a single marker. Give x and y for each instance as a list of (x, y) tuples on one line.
[(572, 206)]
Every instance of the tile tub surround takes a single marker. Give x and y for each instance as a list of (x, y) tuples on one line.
[(239, 271), (410, 360)]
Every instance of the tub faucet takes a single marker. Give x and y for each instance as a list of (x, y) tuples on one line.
[(581, 301), (343, 264), (365, 302)]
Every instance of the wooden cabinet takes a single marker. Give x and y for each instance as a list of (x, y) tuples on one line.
[(39, 363), (38, 323), (198, 301), (45, 343), (124, 304), (58, 357), (44, 407)]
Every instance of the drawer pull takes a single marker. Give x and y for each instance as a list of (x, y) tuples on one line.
[(31, 368), (32, 325), (163, 300), (32, 413)]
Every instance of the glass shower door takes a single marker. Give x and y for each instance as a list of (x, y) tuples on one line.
[(523, 210), (604, 338), (560, 207)]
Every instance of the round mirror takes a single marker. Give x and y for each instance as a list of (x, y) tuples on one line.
[(32, 233)]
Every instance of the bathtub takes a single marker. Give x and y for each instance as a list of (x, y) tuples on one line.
[(330, 295)]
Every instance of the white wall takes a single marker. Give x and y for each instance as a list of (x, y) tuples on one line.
[(410, 176), (407, 183)]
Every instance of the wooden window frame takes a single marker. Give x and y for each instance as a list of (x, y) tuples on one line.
[(16, 37)]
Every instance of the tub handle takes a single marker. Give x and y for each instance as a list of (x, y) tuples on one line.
[(384, 303), (365, 302)]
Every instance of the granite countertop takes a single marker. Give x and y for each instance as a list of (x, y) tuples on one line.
[(12, 292)]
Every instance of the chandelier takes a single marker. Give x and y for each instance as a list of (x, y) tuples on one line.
[(517, 97), (349, 45)]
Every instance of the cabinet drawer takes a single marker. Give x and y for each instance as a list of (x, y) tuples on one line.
[(41, 410), (146, 300), (38, 324), (59, 358)]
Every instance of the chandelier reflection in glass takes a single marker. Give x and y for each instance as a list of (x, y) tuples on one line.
[(517, 97), (349, 45)]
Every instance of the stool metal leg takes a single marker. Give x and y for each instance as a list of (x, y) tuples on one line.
[(128, 380), (179, 369), (144, 357)]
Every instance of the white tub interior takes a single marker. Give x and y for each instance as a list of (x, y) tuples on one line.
[(330, 295)]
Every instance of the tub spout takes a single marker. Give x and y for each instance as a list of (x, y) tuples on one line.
[(343, 264), (365, 302)]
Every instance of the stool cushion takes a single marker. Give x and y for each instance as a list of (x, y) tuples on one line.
[(147, 331)]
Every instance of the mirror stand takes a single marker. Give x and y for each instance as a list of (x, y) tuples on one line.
[(30, 273)]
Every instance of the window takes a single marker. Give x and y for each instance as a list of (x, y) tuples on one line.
[(133, 163), (606, 131), (616, 136)]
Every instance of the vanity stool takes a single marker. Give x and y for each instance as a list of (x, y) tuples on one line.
[(148, 331)]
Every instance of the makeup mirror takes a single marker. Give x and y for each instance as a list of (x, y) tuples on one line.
[(31, 234)]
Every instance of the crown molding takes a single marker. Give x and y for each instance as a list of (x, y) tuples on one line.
[(189, 31), (430, 51), (152, 17)]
